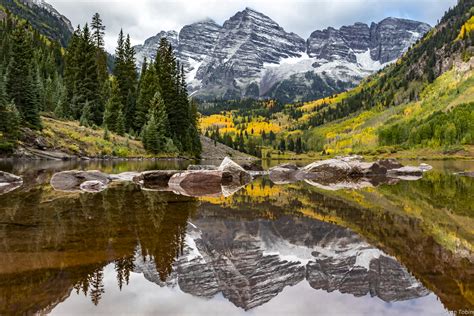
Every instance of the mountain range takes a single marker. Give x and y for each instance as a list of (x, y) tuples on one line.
[(250, 55)]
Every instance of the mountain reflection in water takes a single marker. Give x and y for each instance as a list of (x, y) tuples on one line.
[(295, 248)]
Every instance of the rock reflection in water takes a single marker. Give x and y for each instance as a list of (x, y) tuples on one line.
[(248, 249)]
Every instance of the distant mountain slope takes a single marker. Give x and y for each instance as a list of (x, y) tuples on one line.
[(250, 55), (425, 100), (42, 16)]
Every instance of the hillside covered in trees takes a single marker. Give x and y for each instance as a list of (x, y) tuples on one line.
[(38, 77)]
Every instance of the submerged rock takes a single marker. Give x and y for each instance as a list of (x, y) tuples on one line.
[(70, 181)]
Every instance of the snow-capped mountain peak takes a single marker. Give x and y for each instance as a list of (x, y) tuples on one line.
[(250, 55)]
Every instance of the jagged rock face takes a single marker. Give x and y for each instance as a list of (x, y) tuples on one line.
[(149, 48), (198, 39), (252, 56), (247, 41), (251, 262), (392, 37), (386, 40)]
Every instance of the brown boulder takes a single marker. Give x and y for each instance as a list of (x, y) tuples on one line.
[(199, 182)]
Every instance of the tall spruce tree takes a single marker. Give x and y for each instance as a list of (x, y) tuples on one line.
[(98, 32), (154, 131), (126, 76), (148, 87), (113, 110), (21, 85)]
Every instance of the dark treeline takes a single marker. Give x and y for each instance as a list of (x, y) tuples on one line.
[(38, 76)]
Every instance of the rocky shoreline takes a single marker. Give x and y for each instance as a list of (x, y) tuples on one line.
[(229, 177)]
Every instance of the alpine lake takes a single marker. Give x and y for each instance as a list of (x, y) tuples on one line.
[(404, 248)]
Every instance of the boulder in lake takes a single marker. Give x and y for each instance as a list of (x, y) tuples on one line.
[(200, 183), (239, 174), (70, 181), (328, 170)]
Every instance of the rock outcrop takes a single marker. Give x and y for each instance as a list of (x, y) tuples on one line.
[(71, 181), (239, 175)]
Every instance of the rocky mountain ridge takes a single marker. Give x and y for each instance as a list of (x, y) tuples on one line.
[(250, 55)]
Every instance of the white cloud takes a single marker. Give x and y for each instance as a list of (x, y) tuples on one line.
[(144, 18)]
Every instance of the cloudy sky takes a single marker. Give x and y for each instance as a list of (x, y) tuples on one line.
[(144, 18)]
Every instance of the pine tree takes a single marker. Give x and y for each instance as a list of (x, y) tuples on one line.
[(113, 108), (98, 32), (86, 116), (154, 138), (120, 123), (148, 88), (126, 76), (21, 85)]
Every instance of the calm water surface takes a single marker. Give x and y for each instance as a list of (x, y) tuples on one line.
[(405, 248)]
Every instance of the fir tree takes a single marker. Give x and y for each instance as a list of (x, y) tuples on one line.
[(21, 84), (113, 108)]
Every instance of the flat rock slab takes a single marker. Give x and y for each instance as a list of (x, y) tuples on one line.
[(199, 183)]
